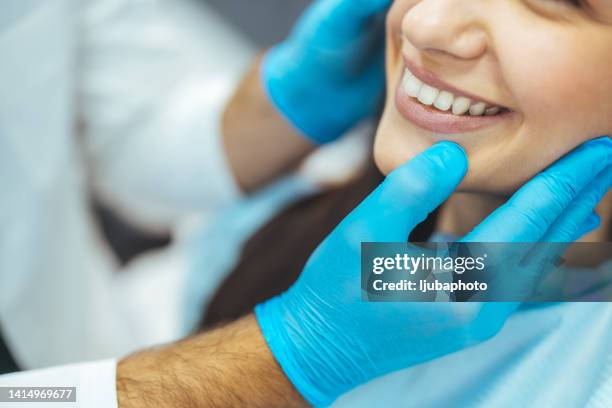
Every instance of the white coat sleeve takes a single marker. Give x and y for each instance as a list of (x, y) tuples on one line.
[(94, 382), (155, 77)]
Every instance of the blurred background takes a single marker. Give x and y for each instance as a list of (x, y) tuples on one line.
[(229, 35), (256, 25), (120, 219), (266, 22)]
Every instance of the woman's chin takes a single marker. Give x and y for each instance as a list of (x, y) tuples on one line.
[(396, 143)]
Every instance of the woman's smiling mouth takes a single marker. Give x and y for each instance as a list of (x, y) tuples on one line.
[(428, 102)]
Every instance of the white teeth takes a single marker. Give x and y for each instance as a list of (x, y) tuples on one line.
[(444, 101), (412, 85), (461, 105), (492, 111), (427, 95), (478, 109)]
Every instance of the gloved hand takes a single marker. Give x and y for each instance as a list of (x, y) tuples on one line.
[(328, 341), (329, 73)]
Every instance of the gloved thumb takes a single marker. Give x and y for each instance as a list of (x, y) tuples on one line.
[(346, 17), (408, 195)]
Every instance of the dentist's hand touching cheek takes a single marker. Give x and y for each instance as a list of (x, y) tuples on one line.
[(328, 75), (328, 340), (325, 78)]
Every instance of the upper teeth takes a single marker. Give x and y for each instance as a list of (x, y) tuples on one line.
[(444, 100)]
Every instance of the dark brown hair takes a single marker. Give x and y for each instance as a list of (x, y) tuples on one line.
[(274, 257)]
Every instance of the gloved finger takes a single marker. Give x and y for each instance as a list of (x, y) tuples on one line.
[(533, 209), (545, 257), (367, 94), (407, 196), (346, 16), (571, 225), (355, 12), (591, 224), (538, 261)]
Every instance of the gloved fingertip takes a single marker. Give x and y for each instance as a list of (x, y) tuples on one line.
[(593, 221), (373, 5), (452, 153), (451, 145), (603, 140), (352, 13), (384, 3)]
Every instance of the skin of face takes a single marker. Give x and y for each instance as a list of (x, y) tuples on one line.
[(547, 61)]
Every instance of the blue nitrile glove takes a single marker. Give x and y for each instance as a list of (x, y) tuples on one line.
[(329, 74), (328, 341)]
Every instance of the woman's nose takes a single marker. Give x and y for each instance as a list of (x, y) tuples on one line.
[(453, 27)]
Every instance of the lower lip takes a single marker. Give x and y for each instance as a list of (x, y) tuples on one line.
[(434, 120)]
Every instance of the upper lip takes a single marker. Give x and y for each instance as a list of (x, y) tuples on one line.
[(432, 80)]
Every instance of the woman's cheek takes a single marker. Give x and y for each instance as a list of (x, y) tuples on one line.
[(394, 31), (559, 94), (396, 15)]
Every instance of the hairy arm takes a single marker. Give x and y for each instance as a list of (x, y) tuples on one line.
[(227, 367), (259, 143)]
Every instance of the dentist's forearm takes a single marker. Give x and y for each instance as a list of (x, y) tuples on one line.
[(260, 144), (227, 367)]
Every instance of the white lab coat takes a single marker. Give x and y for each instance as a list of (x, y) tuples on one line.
[(118, 98)]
